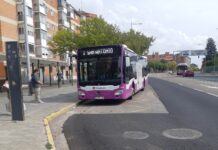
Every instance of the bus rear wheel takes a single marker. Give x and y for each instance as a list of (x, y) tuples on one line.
[(143, 88)]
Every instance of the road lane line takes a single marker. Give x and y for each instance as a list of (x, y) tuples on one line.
[(212, 94), (206, 92), (211, 87), (199, 90)]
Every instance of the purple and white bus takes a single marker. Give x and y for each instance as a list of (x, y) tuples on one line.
[(110, 72)]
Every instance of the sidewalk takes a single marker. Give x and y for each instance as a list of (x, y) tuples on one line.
[(30, 134)]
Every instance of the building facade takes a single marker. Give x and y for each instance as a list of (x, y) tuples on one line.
[(169, 57), (158, 57), (183, 59), (8, 29), (43, 19), (86, 15)]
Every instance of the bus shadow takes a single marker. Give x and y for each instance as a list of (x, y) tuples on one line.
[(100, 103)]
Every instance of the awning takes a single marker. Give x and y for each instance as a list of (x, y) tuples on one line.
[(36, 60)]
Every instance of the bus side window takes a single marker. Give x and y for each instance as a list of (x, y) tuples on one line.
[(129, 73)]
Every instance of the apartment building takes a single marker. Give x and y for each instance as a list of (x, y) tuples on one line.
[(62, 14), (158, 57), (169, 57), (30, 26), (8, 30), (52, 18), (73, 17), (86, 15), (183, 59), (43, 19)]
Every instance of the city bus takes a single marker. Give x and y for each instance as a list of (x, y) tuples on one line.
[(181, 68), (110, 72)]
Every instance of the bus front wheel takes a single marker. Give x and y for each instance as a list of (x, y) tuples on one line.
[(133, 92)]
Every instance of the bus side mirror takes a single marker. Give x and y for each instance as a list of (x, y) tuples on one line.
[(127, 61)]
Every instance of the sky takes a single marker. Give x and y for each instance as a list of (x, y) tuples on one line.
[(175, 24)]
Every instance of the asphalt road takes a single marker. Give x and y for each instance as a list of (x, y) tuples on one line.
[(206, 78), (190, 124)]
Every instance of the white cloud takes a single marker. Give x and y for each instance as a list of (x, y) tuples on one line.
[(176, 24)]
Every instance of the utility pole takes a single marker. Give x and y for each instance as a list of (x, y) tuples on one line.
[(26, 40)]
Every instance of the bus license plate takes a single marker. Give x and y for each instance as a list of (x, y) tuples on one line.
[(99, 97)]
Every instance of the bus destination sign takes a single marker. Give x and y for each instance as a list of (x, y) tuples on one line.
[(102, 51)]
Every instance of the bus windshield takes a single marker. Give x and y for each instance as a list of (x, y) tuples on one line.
[(182, 67), (100, 71)]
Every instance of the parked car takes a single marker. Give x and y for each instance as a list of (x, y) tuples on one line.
[(188, 73)]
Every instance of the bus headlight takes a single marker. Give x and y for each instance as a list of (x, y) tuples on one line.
[(81, 93), (118, 93)]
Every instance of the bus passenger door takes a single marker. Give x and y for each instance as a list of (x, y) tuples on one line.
[(139, 75)]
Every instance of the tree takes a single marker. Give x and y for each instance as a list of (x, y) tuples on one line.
[(194, 67), (136, 41), (171, 65), (62, 42), (96, 32), (211, 49)]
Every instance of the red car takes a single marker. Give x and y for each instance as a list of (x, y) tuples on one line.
[(188, 73)]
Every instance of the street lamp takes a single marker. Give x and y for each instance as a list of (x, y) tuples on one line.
[(26, 43), (134, 23), (214, 68)]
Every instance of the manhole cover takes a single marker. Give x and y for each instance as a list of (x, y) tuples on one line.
[(137, 135), (182, 134)]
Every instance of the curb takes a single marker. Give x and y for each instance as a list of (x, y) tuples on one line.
[(51, 117)]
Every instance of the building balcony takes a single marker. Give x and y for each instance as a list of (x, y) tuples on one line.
[(28, 3), (29, 21), (73, 27), (31, 39), (72, 15), (66, 24), (41, 42), (42, 26), (65, 10), (42, 10)]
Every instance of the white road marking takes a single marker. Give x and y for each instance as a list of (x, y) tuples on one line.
[(211, 87), (198, 90), (182, 134), (212, 94), (206, 92), (135, 135)]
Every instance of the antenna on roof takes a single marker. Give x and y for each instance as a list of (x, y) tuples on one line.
[(81, 5)]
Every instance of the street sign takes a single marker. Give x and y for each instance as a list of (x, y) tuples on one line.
[(15, 82), (198, 52), (192, 52)]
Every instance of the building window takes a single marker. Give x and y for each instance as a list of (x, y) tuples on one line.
[(21, 30), (48, 25), (43, 19), (31, 49), (37, 34), (20, 16), (30, 33), (53, 27), (29, 12), (52, 13), (47, 10), (44, 35), (22, 48)]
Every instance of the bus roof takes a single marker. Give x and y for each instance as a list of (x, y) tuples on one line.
[(103, 46), (182, 64)]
